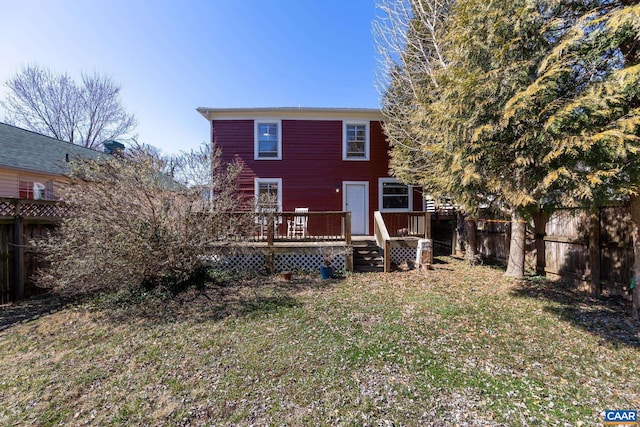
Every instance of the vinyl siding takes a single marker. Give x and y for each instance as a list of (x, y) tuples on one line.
[(311, 167), (10, 178)]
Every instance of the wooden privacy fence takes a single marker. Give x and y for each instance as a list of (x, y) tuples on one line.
[(20, 221), (592, 249)]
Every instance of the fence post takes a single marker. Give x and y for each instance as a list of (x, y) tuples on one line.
[(594, 251), (18, 253), (507, 240), (539, 227)]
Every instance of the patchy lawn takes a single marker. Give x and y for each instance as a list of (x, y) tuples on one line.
[(458, 345)]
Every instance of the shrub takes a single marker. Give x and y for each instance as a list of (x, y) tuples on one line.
[(133, 225)]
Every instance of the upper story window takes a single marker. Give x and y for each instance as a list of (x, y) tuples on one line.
[(355, 141), (394, 196), (268, 140), (35, 190)]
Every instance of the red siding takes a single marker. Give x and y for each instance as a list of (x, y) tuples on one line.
[(311, 167)]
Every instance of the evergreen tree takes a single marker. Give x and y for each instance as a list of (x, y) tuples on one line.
[(585, 112)]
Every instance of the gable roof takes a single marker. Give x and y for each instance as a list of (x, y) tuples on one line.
[(27, 150)]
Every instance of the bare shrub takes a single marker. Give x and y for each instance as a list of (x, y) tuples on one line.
[(134, 225)]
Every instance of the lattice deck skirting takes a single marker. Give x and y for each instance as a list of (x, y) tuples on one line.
[(306, 262), (276, 259), (400, 255)]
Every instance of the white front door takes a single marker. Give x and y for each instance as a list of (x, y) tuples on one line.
[(356, 201)]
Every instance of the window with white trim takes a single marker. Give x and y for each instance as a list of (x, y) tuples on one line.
[(394, 196), (35, 190), (268, 140), (355, 144), (268, 194)]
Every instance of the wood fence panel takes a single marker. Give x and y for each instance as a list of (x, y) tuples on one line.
[(616, 225), (492, 242), (32, 261), (569, 259), (601, 263), (616, 250), (6, 262), (567, 244), (22, 220), (570, 224)]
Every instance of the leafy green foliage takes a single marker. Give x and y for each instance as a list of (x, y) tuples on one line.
[(531, 104)]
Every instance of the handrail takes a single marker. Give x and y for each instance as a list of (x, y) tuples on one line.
[(403, 224), (270, 227), (383, 240)]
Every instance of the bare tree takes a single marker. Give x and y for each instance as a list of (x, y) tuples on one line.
[(84, 113), (410, 54)]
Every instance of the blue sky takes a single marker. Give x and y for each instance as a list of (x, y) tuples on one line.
[(174, 56)]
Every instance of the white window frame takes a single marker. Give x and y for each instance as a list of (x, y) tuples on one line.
[(381, 181), (45, 186), (256, 138), (367, 141), (256, 189)]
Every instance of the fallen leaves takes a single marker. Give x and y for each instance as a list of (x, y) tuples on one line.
[(409, 348)]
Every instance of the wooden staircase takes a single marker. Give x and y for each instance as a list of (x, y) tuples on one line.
[(367, 257)]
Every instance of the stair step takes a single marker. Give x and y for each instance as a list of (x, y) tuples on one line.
[(367, 257)]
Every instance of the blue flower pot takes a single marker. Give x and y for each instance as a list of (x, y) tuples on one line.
[(326, 272)]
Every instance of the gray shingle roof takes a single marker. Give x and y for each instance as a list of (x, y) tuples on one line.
[(26, 150)]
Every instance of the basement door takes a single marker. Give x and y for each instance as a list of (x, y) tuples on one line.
[(356, 201)]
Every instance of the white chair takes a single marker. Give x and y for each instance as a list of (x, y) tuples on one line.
[(297, 227)]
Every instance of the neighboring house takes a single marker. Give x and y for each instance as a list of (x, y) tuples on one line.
[(323, 159), (32, 166)]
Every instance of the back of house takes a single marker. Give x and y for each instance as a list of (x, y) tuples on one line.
[(323, 159)]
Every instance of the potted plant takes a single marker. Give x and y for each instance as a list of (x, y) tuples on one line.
[(326, 270)]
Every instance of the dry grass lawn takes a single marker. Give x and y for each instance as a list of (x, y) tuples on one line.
[(458, 345)]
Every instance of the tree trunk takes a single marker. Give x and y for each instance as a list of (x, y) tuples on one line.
[(517, 248), (635, 292), (472, 240)]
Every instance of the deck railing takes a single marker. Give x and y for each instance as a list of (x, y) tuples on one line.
[(383, 240), (11, 208), (283, 226), (404, 224)]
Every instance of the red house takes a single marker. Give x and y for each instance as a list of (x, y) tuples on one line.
[(323, 159)]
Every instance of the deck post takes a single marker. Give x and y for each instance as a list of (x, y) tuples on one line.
[(270, 230), (387, 256), (427, 225), (347, 227)]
